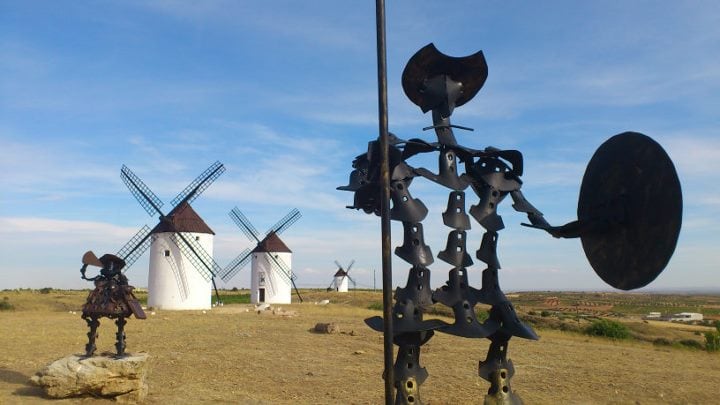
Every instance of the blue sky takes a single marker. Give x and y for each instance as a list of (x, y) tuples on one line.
[(284, 94)]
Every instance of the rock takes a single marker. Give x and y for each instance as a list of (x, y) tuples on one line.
[(326, 328), (284, 312), (100, 376)]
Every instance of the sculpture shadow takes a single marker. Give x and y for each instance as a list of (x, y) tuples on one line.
[(15, 377)]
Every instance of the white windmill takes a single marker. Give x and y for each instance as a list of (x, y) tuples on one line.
[(271, 277), (341, 278), (182, 269)]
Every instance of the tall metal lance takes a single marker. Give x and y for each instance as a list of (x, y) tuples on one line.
[(385, 202)]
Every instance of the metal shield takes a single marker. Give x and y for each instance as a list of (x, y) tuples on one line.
[(631, 191)]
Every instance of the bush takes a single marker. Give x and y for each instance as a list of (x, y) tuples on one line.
[(482, 315), (46, 290), (662, 342), (376, 306), (5, 305), (712, 339), (691, 343), (544, 314), (608, 328)]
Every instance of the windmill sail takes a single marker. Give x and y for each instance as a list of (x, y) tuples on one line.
[(147, 199), (135, 247), (236, 265), (195, 253), (285, 223), (200, 184), (244, 224)]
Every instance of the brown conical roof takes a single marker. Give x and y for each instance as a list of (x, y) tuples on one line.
[(341, 273), (183, 218), (271, 243)]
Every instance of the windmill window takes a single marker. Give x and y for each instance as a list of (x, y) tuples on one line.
[(167, 253), (197, 238)]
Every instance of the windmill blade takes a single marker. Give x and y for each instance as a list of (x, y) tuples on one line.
[(330, 287), (180, 278), (197, 186), (236, 265), (135, 247), (347, 270), (279, 265), (147, 199), (244, 224), (195, 253), (283, 268), (285, 222), (352, 281), (339, 265)]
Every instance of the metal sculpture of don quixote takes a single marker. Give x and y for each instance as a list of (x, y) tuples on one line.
[(629, 215), (112, 298)]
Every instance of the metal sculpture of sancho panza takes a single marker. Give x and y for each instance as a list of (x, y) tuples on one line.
[(112, 298), (629, 216)]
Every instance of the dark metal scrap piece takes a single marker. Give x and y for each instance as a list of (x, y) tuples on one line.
[(630, 197)]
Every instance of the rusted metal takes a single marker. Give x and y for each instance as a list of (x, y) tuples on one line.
[(629, 217), (112, 298)]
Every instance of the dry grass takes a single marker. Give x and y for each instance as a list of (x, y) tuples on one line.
[(231, 355)]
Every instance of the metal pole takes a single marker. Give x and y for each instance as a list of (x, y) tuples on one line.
[(385, 202)]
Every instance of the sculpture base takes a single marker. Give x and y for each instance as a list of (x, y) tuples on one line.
[(122, 379)]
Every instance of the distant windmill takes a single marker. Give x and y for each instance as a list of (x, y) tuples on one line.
[(271, 276), (341, 278), (182, 269)]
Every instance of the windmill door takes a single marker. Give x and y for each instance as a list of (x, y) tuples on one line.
[(261, 293)]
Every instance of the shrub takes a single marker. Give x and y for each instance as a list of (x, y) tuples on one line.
[(5, 305), (482, 315), (376, 306), (608, 328), (46, 290), (691, 343), (662, 342), (545, 314), (712, 341)]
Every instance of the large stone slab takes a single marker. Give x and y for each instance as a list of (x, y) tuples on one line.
[(120, 378)]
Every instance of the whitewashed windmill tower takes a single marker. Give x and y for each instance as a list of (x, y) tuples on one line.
[(271, 276), (182, 270), (341, 278)]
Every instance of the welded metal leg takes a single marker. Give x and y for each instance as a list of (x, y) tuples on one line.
[(498, 370), (120, 336), (408, 373), (90, 347)]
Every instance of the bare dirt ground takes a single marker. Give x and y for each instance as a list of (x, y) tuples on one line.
[(235, 356)]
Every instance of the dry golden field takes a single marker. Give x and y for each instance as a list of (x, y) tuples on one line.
[(233, 355)]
